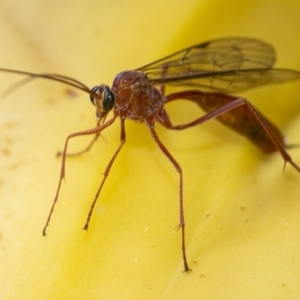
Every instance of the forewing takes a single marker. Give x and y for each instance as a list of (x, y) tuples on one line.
[(216, 55), (228, 65)]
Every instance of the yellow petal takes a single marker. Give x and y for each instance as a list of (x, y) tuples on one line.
[(242, 211)]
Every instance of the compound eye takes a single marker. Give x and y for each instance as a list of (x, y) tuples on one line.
[(108, 100), (94, 91)]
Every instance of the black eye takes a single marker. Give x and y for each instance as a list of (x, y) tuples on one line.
[(94, 90), (108, 100)]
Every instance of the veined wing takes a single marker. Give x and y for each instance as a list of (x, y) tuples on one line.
[(228, 65)]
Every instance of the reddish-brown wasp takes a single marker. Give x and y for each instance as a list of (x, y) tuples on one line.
[(227, 65)]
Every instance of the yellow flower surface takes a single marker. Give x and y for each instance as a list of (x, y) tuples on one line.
[(242, 212)]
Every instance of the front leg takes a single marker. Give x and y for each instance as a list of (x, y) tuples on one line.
[(96, 131)]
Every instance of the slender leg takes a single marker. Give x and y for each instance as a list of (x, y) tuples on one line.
[(232, 105), (181, 210), (63, 163), (86, 149), (106, 172)]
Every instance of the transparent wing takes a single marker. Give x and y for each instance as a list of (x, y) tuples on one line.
[(228, 65)]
